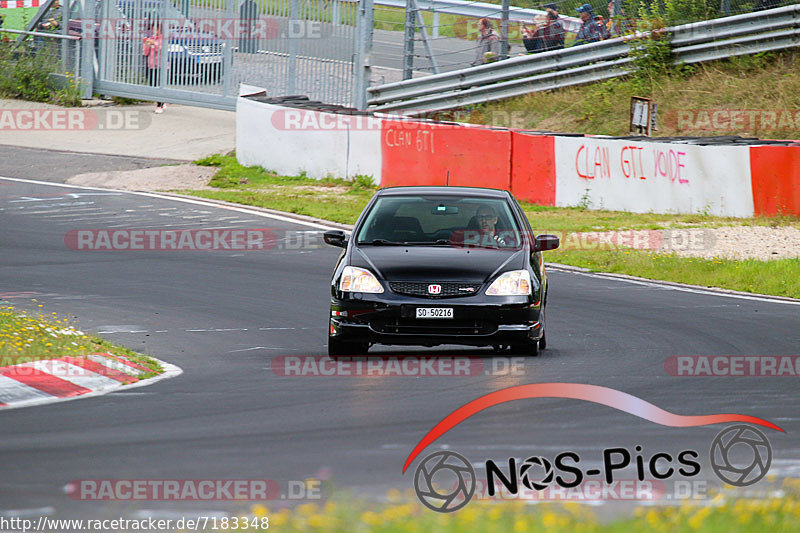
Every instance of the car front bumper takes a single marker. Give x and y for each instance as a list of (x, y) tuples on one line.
[(477, 321)]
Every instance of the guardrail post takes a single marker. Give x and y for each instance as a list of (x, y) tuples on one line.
[(424, 33), (294, 15), (227, 53), (504, 44), (166, 35), (362, 60), (86, 45), (408, 41)]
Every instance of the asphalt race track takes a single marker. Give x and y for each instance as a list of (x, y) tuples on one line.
[(223, 316)]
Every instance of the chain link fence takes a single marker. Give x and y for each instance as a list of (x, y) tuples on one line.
[(436, 41)]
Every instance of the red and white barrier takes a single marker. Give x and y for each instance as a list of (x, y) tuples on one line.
[(10, 4), (69, 377), (597, 172)]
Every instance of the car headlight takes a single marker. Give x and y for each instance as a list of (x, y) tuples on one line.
[(514, 283), (356, 279)]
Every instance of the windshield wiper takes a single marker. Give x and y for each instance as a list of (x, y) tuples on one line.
[(440, 242), (382, 242)]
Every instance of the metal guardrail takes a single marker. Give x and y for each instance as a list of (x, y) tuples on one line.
[(774, 29), (482, 9)]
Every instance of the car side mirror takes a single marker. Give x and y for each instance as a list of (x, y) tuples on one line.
[(546, 242), (335, 237)]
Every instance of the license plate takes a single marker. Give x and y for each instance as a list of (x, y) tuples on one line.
[(434, 312), (209, 59)]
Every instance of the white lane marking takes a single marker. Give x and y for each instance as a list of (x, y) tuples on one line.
[(25, 199), (63, 204), (12, 391), (212, 330), (71, 215), (115, 365), (27, 513), (654, 284), (74, 374), (120, 329), (193, 201), (79, 211), (256, 348)]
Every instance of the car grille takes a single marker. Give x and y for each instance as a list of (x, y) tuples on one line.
[(449, 289), (408, 326)]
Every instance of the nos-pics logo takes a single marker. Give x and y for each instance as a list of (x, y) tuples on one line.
[(445, 481)]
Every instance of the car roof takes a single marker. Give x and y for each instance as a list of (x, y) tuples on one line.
[(476, 192)]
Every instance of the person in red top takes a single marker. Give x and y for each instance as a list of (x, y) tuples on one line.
[(151, 48)]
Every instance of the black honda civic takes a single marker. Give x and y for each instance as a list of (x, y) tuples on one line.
[(439, 265)]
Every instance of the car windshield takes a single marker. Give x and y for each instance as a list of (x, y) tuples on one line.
[(437, 221)]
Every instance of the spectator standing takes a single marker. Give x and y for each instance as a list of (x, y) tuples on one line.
[(488, 43), (151, 48), (531, 35), (616, 21), (590, 31), (552, 34)]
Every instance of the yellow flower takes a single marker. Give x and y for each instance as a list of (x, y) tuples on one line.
[(394, 495), (317, 521), (307, 509), (259, 511), (370, 518), (279, 519)]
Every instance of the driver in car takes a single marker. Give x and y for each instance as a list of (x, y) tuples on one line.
[(487, 222)]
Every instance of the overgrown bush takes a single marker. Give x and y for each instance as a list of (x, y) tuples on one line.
[(25, 74)]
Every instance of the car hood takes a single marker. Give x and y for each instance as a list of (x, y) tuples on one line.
[(436, 263)]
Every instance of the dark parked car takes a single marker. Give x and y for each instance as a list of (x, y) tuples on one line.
[(439, 265), (192, 55)]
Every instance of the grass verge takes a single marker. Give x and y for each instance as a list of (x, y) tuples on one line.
[(26, 336), (342, 201), (718, 515)]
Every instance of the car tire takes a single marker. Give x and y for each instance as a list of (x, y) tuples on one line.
[(543, 339), (338, 348)]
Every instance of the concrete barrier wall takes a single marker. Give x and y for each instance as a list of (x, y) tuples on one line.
[(291, 141), (424, 153), (600, 173), (644, 177), (775, 172)]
